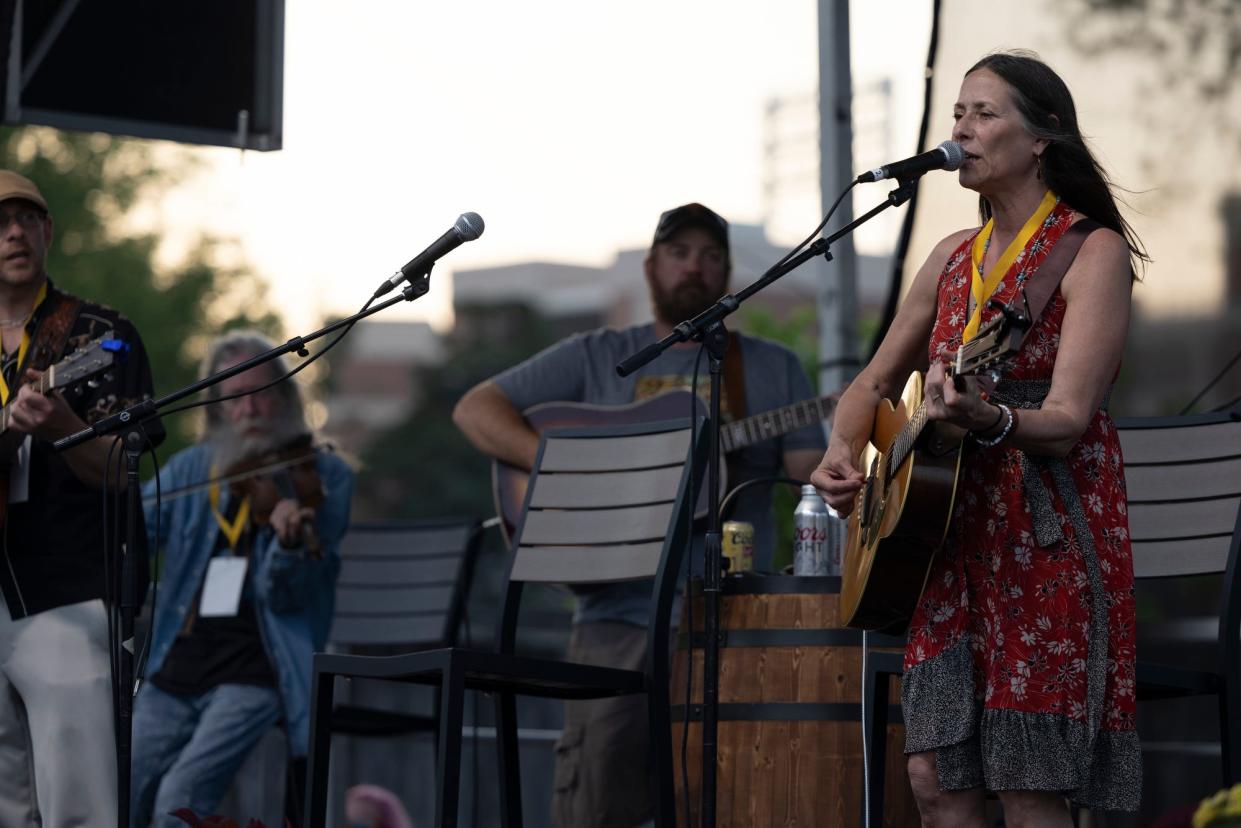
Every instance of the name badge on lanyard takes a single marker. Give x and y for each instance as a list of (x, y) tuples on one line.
[(226, 574), (226, 577)]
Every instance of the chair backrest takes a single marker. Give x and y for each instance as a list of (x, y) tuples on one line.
[(1183, 481), (607, 505), (404, 583)]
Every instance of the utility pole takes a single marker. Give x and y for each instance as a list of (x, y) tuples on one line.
[(837, 301)]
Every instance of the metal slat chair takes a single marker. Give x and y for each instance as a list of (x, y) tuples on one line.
[(1183, 481), (402, 588), (1183, 476), (603, 505)]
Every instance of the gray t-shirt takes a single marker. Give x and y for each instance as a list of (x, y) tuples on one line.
[(582, 368)]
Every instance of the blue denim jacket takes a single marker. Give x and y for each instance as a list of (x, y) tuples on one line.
[(294, 596)]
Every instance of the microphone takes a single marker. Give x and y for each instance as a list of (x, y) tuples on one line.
[(468, 227), (947, 156)]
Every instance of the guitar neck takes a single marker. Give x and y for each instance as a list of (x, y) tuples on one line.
[(904, 442), (46, 382), (775, 423)]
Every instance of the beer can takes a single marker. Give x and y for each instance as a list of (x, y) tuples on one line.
[(818, 536), (738, 545)]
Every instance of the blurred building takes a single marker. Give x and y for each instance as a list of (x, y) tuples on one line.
[(580, 297), (373, 380)]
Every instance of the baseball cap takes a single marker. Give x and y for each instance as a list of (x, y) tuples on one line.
[(13, 185), (691, 215)]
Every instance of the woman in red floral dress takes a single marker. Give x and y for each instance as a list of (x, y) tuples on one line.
[(1019, 671)]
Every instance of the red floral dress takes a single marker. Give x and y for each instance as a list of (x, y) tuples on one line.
[(1020, 661)]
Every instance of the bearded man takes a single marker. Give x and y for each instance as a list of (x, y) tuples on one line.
[(602, 758), (244, 599)]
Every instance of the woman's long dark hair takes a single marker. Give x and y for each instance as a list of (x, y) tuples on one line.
[(1068, 166)]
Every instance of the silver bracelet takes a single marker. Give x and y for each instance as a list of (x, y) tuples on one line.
[(1008, 426)]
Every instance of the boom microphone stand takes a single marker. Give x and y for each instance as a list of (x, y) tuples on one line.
[(708, 328), (128, 424)]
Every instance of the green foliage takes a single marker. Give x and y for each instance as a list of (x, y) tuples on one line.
[(93, 183), (799, 333)]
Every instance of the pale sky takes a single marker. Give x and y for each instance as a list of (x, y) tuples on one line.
[(568, 126)]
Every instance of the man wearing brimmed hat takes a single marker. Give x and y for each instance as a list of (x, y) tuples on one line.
[(602, 758), (57, 741)]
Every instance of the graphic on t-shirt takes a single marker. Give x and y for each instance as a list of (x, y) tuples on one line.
[(652, 386)]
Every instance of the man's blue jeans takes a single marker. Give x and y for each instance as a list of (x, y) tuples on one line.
[(187, 749)]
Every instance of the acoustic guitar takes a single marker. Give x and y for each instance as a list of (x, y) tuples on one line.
[(92, 358), (900, 516), (509, 482)]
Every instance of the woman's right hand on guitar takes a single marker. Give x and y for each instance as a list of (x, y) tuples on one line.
[(837, 478)]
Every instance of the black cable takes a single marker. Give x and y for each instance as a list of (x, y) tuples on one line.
[(1189, 405), (110, 584), (907, 223), (277, 380), (140, 662), (688, 598), (1234, 403), (814, 233), (733, 493)]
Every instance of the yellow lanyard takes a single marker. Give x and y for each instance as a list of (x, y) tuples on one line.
[(21, 352), (983, 289), (232, 531)]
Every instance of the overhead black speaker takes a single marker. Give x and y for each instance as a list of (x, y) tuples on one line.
[(195, 71)]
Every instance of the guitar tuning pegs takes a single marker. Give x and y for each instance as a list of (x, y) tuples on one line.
[(92, 383), (108, 376)]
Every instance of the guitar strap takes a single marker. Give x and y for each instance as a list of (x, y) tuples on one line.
[(1042, 284), (54, 322), (734, 377), (1040, 287), (51, 331)]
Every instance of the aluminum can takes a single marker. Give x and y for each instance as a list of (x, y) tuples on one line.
[(817, 536), (738, 545)]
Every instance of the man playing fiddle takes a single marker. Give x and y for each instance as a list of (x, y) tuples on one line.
[(247, 579)]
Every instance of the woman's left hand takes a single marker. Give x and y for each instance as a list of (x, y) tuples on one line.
[(966, 408)]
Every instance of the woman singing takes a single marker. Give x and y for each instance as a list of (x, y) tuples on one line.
[(1019, 670)]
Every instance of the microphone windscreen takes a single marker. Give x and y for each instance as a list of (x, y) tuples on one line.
[(953, 154), (469, 226)]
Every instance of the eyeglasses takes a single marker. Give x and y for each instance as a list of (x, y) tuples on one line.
[(28, 219)]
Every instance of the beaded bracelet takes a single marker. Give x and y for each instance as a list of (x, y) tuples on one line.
[(1006, 412)]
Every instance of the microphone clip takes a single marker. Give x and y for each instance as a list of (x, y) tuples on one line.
[(418, 283), (905, 188)]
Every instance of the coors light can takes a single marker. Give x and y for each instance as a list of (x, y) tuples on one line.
[(816, 542)]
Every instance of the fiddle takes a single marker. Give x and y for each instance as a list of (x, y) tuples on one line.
[(285, 472)]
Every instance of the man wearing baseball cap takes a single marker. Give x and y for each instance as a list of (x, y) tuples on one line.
[(57, 740), (602, 759)]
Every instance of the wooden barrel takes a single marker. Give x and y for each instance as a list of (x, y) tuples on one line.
[(790, 732)]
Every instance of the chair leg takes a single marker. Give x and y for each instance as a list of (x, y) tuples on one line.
[(875, 732), (662, 769), (295, 792), (321, 704), (1229, 739), (508, 753), (452, 707)]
